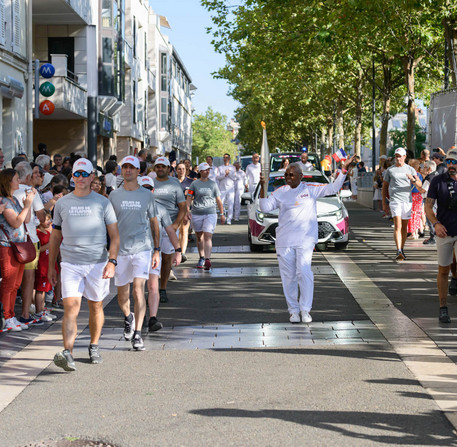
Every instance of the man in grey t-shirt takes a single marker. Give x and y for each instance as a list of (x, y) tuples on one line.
[(168, 192), (398, 182), (137, 221), (82, 219)]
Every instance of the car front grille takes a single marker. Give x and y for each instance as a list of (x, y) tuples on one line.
[(324, 230)]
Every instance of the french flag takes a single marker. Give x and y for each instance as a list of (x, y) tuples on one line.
[(339, 155)]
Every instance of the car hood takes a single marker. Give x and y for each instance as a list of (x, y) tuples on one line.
[(325, 205)]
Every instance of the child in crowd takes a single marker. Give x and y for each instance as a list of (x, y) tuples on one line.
[(42, 285)]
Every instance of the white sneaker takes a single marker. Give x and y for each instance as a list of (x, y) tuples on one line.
[(12, 326), (229, 222), (18, 323), (294, 317), (32, 309), (42, 316), (49, 314), (306, 317), (172, 276)]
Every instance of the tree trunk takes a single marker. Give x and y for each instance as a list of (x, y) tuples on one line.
[(329, 136), (358, 114), (450, 34), (384, 125), (340, 125), (409, 65)]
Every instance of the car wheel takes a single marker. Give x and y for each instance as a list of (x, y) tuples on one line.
[(341, 245), (322, 246), (254, 248)]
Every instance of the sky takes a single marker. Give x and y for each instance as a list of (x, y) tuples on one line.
[(188, 21)]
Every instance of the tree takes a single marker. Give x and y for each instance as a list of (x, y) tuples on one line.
[(399, 138), (210, 136)]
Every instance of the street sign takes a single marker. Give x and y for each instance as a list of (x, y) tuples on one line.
[(47, 89), (47, 107), (47, 71)]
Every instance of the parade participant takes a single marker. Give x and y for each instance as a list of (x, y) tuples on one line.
[(81, 222), (397, 183), (253, 172), (304, 164), (240, 187), (12, 217), (284, 164), (443, 192), (297, 235), (226, 182), (168, 192), (136, 216), (212, 169), (205, 196), (181, 172), (165, 224)]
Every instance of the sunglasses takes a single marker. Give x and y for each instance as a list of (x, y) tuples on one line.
[(150, 188), (81, 173), (451, 162)]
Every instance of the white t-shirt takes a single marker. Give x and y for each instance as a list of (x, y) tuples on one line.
[(240, 181), (37, 205), (306, 166), (297, 220), (226, 182), (253, 175), (110, 181)]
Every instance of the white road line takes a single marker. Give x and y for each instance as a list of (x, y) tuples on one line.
[(429, 364)]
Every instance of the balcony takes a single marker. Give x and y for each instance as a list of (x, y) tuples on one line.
[(68, 12), (69, 98)]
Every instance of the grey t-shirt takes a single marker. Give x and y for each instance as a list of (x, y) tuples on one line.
[(133, 211), (169, 194), (162, 216), (399, 184), (204, 194), (83, 221)]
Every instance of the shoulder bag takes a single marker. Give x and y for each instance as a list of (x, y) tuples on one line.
[(24, 252)]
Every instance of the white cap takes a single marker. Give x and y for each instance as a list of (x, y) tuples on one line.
[(146, 181), (162, 161), (452, 154), (83, 164), (384, 157), (400, 151), (203, 166), (131, 160)]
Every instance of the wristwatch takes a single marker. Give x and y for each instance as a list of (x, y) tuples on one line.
[(178, 250), (113, 261), (156, 248)]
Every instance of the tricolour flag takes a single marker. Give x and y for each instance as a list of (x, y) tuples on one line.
[(339, 155)]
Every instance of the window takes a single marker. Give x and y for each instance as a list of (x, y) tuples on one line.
[(107, 15), (163, 72), (2, 23), (106, 75), (163, 114), (17, 28), (134, 102), (145, 50), (134, 37)]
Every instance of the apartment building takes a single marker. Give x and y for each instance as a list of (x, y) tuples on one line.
[(15, 94)]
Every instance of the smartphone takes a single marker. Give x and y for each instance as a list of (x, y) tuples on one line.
[(436, 150)]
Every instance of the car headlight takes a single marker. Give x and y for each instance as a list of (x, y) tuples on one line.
[(260, 216), (338, 214)]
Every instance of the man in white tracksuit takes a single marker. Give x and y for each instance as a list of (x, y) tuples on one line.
[(240, 187), (226, 181), (297, 234), (253, 172)]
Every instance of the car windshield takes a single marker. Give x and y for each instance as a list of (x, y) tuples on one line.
[(278, 181), (277, 159)]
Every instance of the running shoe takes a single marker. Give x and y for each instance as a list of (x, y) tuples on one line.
[(429, 241), (207, 265), (49, 314), (306, 317), (129, 326), (403, 253), (453, 287), (21, 323), (154, 324), (11, 325), (183, 258), (163, 295), (172, 276), (201, 263), (32, 320), (400, 256), (444, 315), (137, 343), (94, 355), (64, 359), (42, 316), (294, 317)]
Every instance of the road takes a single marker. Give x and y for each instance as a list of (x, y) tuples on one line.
[(374, 367)]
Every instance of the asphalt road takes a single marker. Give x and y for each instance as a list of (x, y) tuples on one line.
[(339, 394)]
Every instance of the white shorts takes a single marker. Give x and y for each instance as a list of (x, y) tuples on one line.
[(166, 247), (155, 271), (401, 209), (445, 248), (79, 280), (204, 222), (132, 266)]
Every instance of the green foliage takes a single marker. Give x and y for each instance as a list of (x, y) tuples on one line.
[(399, 138), (210, 136)]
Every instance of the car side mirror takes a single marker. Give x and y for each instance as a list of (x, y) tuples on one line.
[(247, 197)]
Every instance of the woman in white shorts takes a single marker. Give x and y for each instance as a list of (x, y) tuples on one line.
[(206, 196)]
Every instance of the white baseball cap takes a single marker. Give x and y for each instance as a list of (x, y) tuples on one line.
[(83, 164), (146, 181), (452, 154), (203, 166), (130, 159), (384, 157), (400, 151), (162, 161)]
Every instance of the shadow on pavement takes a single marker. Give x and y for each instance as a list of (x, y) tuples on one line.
[(409, 429)]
